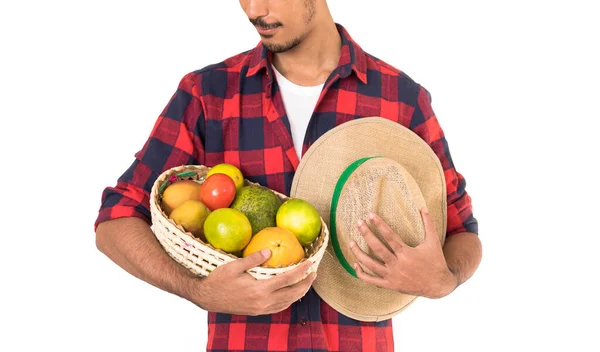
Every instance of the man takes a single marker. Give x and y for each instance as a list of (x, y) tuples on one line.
[(260, 110)]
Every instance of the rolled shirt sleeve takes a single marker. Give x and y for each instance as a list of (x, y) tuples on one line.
[(176, 139), (460, 209)]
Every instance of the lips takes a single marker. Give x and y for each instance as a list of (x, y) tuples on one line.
[(267, 31)]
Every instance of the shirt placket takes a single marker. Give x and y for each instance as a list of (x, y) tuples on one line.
[(304, 322), (335, 75), (274, 111), (306, 315)]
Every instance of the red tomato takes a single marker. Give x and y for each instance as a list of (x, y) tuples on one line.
[(217, 191)]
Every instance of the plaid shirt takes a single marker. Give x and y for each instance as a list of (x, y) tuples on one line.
[(233, 112)]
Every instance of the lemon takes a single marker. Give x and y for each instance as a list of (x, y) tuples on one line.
[(229, 170)]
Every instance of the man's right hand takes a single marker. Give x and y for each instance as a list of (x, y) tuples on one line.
[(230, 289)]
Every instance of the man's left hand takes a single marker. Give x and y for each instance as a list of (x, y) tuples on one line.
[(418, 271)]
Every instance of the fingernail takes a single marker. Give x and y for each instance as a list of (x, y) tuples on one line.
[(371, 216), (425, 211), (266, 252), (355, 266), (352, 244), (360, 223)]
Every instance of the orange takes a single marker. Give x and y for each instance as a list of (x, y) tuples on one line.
[(284, 246), (300, 217), (177, 193), (228, 229), (229, 170)]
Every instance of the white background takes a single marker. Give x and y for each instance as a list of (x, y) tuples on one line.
[(514, 85)]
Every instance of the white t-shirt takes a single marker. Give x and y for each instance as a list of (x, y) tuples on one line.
[(299, 102)]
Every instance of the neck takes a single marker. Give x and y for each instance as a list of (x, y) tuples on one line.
[(312, 61)]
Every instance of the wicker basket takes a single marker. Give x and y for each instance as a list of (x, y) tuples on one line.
[(199, 257)]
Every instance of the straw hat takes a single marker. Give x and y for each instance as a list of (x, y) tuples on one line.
[(369, 165)]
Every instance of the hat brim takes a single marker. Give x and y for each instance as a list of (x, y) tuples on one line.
[(315, 179)]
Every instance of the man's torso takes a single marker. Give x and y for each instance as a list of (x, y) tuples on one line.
[(245, 124)]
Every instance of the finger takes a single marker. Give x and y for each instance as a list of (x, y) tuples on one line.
[(375, 244), (291, 294), (393, 240), (431, 235), (252, 261), (288, 278), (370, 279), (370, 263)]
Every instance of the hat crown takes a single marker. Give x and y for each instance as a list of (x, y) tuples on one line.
[(383, 187)]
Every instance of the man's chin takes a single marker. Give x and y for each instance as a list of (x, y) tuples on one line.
[(279, 47), (274, 47)]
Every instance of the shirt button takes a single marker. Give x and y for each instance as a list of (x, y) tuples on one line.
[(303, 322)]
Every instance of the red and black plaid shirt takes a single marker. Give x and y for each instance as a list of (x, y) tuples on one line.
[(233, 112)]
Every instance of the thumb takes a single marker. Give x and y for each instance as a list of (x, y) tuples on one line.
[(431, 234), (253, 260)]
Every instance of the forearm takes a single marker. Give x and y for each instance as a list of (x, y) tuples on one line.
[(463, 255), (130, 243)]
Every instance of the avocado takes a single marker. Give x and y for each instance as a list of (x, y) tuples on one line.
[(259, 204)]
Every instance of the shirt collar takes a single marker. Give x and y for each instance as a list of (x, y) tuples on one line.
[(352, 58)]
